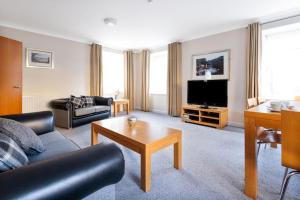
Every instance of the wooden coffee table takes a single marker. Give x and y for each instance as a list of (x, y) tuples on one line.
[(142, 137)]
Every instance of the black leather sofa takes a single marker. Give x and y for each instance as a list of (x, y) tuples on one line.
[(66, 116), (67, 172)]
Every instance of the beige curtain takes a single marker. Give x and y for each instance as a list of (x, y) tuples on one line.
[(145, 80), (174, 79), (253, 60), (129, 88), (96, 73)]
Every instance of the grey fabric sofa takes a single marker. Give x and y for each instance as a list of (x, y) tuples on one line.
[(66, 116)]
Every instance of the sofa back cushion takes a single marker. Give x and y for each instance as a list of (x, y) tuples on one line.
[(77, 102), (88, 101), (22, 135), (11, 155)]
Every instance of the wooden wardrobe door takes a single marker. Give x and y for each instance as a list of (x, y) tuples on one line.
[(10, 76)]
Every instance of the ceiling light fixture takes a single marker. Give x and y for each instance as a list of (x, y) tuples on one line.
[(150, 1), (110, 21)]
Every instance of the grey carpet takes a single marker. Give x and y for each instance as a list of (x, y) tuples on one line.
[(213, 166)]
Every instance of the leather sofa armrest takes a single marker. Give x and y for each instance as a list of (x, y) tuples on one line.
[(103, 101), (61, 104), (39, 122), (72, 176)]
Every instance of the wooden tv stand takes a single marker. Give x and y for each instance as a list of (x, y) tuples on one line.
[(213, 116)]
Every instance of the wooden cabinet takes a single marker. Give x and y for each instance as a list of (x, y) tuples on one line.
[(214, 116), (10, 76)]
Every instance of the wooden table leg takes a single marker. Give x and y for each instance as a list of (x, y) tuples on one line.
[(94, 135), (146, 170), (115, 109), (178, 154), (127, 105), (250, 158)]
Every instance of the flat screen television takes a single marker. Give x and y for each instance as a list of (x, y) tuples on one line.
[(210, 93)]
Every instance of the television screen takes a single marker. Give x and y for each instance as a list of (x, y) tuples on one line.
[(210, 93)]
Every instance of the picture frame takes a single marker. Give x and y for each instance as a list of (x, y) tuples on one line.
[(39, 59), (218, 63)]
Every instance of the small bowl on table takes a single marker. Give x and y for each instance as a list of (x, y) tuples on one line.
[(132, 120)]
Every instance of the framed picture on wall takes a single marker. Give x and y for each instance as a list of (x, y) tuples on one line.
[(39, 59), (216, 64)]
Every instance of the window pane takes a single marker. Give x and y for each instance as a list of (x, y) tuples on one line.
[(158, 72), (280, 69), (113, 73)]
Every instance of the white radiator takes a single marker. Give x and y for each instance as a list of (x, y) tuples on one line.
[(31, 104)]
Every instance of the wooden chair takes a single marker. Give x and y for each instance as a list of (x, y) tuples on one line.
[(260, 100), (290, 155), (264, 136), (252, 102)]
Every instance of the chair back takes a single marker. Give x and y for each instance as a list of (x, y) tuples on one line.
[(252, 102), (290, 125), (260, 100)]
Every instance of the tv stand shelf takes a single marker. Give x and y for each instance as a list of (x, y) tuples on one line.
[(213, 116)]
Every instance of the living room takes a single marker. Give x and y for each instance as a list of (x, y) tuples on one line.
[(182, 100)]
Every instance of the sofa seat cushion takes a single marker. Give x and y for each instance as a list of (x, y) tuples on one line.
[(56, 145), (84, 111), (91, 110), (51, 137), (102, 108)]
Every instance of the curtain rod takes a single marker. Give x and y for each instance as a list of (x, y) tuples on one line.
[(277, 20)]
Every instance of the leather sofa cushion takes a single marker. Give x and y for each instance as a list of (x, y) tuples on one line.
[(56, 144), (90, 110)]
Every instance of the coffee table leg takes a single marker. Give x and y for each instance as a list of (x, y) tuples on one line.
[(94, 135), (178, 154), (146, 170)]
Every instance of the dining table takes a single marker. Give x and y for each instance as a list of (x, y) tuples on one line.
[(259, 116)]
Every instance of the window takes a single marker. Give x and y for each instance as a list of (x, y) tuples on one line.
[(113, 73), (280, 69), (158, 72)]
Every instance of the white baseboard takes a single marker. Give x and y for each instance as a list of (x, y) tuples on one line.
[(153, 110), (236, 124), (159, 111)]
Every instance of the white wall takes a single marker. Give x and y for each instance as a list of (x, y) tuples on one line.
[(72, 61), (235, 41), (71, 67)]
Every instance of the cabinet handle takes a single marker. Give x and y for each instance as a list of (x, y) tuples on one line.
[(17, 87)]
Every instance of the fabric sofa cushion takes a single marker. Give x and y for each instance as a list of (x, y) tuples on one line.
[(84, 111), (91, 110), (24, 136), (87, 101), (11, 155), (56, 145), (101, 108), (76, 101)]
